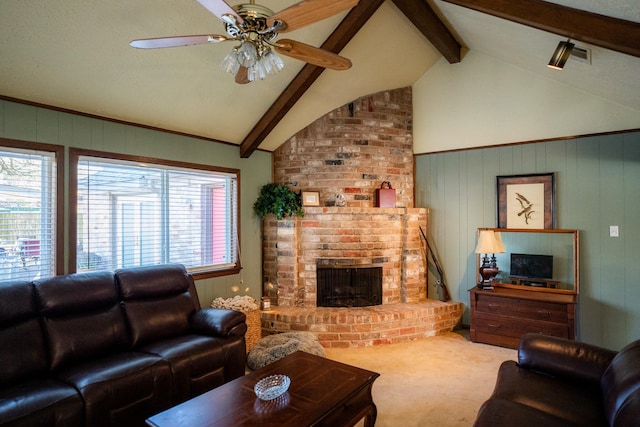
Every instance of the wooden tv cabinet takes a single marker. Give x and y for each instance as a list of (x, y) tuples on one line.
[(502, 315)]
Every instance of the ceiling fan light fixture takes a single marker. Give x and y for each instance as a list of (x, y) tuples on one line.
[(230, 62), (260, 62), (256, 72), (272, 63), (560, 55), (247, 54), (269, 65)]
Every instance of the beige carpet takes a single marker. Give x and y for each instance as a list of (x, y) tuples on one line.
[(438, 381)]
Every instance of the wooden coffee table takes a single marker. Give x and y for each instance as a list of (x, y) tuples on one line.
[(322, 393)]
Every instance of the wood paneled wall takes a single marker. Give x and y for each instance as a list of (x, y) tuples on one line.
[(597, 185)]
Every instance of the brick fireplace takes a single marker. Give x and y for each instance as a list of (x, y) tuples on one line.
[(350, 152), (340, 237)]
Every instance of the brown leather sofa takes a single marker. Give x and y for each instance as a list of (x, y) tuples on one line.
[(111, 348), (558, 382)]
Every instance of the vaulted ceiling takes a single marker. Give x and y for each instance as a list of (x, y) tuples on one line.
[(75, 55)]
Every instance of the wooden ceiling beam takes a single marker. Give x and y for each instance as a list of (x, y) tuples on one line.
[(429, 24), (345, 31), (604, 31)]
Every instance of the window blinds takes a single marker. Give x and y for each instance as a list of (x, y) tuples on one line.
[(132, 214), (27, 214)]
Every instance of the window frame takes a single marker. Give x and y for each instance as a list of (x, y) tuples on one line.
[(58, 204), (74, 157)]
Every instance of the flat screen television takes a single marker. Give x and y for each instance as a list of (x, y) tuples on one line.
[(531, 266)]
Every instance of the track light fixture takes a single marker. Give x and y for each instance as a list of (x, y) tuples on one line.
[(561, 54)]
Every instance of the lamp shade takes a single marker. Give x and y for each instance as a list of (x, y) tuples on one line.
[(488, 243)]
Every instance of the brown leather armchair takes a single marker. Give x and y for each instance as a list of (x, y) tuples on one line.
[(558, 382)]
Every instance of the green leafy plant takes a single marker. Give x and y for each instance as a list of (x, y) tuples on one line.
[(277, 199)]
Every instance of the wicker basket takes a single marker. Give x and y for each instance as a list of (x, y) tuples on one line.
[(254, 328)]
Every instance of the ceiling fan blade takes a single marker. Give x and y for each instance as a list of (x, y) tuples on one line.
[(309, 11), (242, 76), (220, 8), (177, 41), (312, 55)]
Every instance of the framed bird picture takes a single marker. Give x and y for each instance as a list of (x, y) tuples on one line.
[(526, 201)]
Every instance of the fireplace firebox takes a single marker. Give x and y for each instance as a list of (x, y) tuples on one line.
[(349, 286)]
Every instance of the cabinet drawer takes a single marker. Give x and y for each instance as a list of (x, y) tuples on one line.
[(513, 327), (350, 411), (526, 309)]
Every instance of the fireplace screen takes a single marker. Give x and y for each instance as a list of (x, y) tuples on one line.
[(349, 286)]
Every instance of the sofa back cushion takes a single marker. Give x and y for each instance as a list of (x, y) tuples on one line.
[(621, 387), (22, 352), (158, 302), (82, 317)]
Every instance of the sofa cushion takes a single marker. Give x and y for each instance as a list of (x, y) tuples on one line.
[(139, 283), (157, 301), (219, 322), (501, 412), (197, 363), (572, 402), (621, 387), (571, 360), (41, 402), (121, 389), (22, 352), (82, 317)]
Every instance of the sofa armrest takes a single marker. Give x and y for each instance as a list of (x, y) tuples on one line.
[(558, 357), (219, 322)]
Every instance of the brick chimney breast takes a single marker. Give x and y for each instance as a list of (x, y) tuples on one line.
[(349, 151), (352, 150)]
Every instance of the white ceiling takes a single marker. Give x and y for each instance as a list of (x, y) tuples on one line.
[(611, 75), (75, 55)]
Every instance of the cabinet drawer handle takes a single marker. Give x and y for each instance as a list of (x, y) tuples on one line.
[(493, 325), (493, 307), (544, 314)]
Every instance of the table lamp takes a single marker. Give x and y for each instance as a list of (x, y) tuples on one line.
[(489, 242)]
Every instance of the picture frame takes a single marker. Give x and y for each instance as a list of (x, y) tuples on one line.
[(526, 201), (310, 198)]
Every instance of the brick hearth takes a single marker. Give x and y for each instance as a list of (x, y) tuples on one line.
[(366, 326)]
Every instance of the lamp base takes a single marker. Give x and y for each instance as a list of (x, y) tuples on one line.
[(487, 274)]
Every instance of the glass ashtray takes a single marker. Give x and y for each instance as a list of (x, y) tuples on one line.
[(272, 386)]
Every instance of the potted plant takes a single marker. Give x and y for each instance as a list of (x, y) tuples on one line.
[(277, 199)]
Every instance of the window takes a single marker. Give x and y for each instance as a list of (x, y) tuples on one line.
[(143, 212), (29, 179)]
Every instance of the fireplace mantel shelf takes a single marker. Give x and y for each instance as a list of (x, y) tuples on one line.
[(334, 210)]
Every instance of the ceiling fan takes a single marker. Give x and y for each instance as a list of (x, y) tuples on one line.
[(256, 28)]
